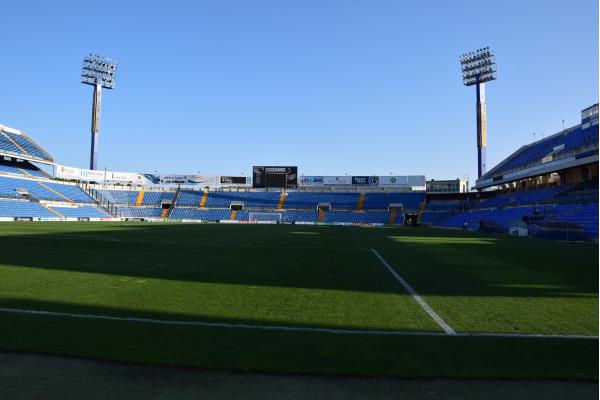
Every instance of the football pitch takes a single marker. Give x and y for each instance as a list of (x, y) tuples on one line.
[(409, 302)]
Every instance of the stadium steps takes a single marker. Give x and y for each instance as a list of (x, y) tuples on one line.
[(25, 172), (281, 201), (56, 192), (164, 212), (140, 198), (233, 215), (361, 201), (321, 216), (52, 210), (203, 199), (102, 210), (171, 208), (17, 144), (102, 204), (392, 219)]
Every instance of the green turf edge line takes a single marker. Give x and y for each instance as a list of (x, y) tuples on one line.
[(286, 327)]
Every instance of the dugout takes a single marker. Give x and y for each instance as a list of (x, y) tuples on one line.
[(323, 207), (236, 205)]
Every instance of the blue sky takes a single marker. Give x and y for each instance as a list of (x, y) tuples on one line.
[(335, 87)]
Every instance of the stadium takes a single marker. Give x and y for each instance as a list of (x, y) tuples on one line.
[(274, 272), (546, 189)]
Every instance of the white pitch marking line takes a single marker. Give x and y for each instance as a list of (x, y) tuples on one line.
[(69, 235), (416, 296), (339, 331), (62, 236)]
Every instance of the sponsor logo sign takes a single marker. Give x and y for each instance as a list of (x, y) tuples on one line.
[(126, 177), (189, 180), (365, 180), (65, 172), (91, 175), (234, 180), (396, 180), (275, 170), (311, 181), (79, 174), (325, 180), (337, 180), (155, 179)]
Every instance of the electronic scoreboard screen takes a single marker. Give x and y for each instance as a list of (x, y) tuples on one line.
[(274, 177)]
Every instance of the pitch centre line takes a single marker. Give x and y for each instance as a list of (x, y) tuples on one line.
[(416, 296)]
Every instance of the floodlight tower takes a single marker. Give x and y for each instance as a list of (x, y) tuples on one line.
[(100, 73), (479, 67)]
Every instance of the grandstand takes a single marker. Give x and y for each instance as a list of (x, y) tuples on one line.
[(22, 181), (551, 183), (290, 206), (572, 154), (15, 143)]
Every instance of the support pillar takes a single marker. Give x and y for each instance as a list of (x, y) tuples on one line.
[(96, 107), (481, 130)]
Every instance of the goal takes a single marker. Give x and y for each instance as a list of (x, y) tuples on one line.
[(265, 218)]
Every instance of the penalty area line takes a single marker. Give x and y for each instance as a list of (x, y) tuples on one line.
[(439, 320), (62, 236), (286, 328)]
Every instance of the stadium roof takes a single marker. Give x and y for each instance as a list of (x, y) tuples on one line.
[(15, 143), (574, 146)]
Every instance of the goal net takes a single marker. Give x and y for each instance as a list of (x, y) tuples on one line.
[(265, 218)]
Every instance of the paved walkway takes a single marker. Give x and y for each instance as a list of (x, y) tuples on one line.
[(33, 376)]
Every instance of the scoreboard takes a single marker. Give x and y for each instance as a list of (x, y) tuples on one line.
[(274, 177)]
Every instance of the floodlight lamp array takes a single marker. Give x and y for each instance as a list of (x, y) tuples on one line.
[(99, 70), (478, 66)]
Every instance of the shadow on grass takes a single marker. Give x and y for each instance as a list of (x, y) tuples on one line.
[(121, 312), (294, 352), (435, 262)]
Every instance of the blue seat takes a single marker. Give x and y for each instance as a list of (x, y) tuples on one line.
[(28, 209)]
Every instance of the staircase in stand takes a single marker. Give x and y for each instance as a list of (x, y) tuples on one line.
[(140, 198), (203, 199), (102, 210), (281, 201), (55, 192), (321, 216), (24, 171), (50, 209), (361, 201), (392, 219), (102, 204), (166, 214)]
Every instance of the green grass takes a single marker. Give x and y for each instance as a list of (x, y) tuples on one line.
[(317, 276)]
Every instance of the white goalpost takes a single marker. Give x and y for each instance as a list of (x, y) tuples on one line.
[(264, 217)]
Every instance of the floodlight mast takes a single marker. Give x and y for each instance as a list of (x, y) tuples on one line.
[(99, 72), (479, 67)]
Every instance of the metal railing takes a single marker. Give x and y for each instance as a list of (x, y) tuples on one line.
[(101, 200)]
